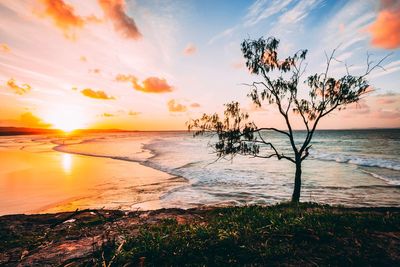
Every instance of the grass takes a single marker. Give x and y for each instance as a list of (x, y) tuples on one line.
[(305, 234)]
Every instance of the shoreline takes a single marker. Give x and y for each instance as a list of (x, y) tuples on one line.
[(79, 181), (108, 168), (367, 236)]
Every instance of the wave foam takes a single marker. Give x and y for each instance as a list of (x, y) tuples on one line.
[(357, 160), (381, 177)]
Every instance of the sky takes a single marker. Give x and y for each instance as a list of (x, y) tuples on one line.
[(153, 65)]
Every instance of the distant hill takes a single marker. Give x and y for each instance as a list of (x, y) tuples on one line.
[(28, 131)]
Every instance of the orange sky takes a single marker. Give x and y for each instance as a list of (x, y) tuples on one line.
[(146, 65)]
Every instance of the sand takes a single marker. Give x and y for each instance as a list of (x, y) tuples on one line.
[(43, 180)]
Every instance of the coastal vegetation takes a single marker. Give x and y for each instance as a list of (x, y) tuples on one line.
[(282, 235), (281, 86)]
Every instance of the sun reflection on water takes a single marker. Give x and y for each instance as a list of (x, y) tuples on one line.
[(67, 162)]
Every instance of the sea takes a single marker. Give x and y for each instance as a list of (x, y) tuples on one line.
[(345, 167)]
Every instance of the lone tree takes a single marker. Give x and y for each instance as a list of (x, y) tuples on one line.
[(280, 87)]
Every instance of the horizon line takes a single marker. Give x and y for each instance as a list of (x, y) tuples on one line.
[(16, 128)]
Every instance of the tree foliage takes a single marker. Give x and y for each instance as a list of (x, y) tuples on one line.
[(280, 85)]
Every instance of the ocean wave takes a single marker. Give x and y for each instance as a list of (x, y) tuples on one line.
[(66, 149), (357, 160), (384, 178)]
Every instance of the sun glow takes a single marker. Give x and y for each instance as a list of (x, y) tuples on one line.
[(66, 119), (67, 162)]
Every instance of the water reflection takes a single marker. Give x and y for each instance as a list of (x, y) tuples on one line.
[(67, 162)]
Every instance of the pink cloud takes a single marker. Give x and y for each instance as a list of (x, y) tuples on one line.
[(63, 16), (195, 105), (190, 49), (115, 11), (149, 85), (385, 29)]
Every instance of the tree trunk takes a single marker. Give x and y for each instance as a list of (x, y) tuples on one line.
[(297, 183)]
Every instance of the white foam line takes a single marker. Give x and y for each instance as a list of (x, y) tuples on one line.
[(389, 181)]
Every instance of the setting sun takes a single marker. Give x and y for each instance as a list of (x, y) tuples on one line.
[(66, 119)]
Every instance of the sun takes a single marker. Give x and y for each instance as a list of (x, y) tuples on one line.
[(66, 119)]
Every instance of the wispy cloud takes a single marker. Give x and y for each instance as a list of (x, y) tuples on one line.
[(347, 26), (388, 99), (298, 12), (281, 13), (388, 68), (262, 9), (225, 33)]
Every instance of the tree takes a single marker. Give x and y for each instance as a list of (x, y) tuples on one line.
[(279, 87)]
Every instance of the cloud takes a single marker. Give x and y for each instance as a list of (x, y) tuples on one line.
[(18, 89), (385, 29), (195, 105), (376, 108), (174, 106), (262, 9), (5, 48), (30, 120), (107, 115), (149, 85), (282, 14), (388, 99), (238, 65), (96, 71), (298, 12), (391, 67), (115, 11), (190, 49), (83, 59), (225, 33), (63, 16), (153, 85), (96, 94), (125, 78), (133, 113), (386, 114), (360, 107)]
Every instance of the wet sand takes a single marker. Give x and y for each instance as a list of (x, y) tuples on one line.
[(44, 180)]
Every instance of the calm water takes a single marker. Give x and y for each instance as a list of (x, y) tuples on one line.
[(353, 168)]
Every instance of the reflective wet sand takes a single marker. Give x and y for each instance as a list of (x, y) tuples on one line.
[(50, 181)]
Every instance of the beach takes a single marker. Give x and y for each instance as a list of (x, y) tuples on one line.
[(37, 179), (151, 170)]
